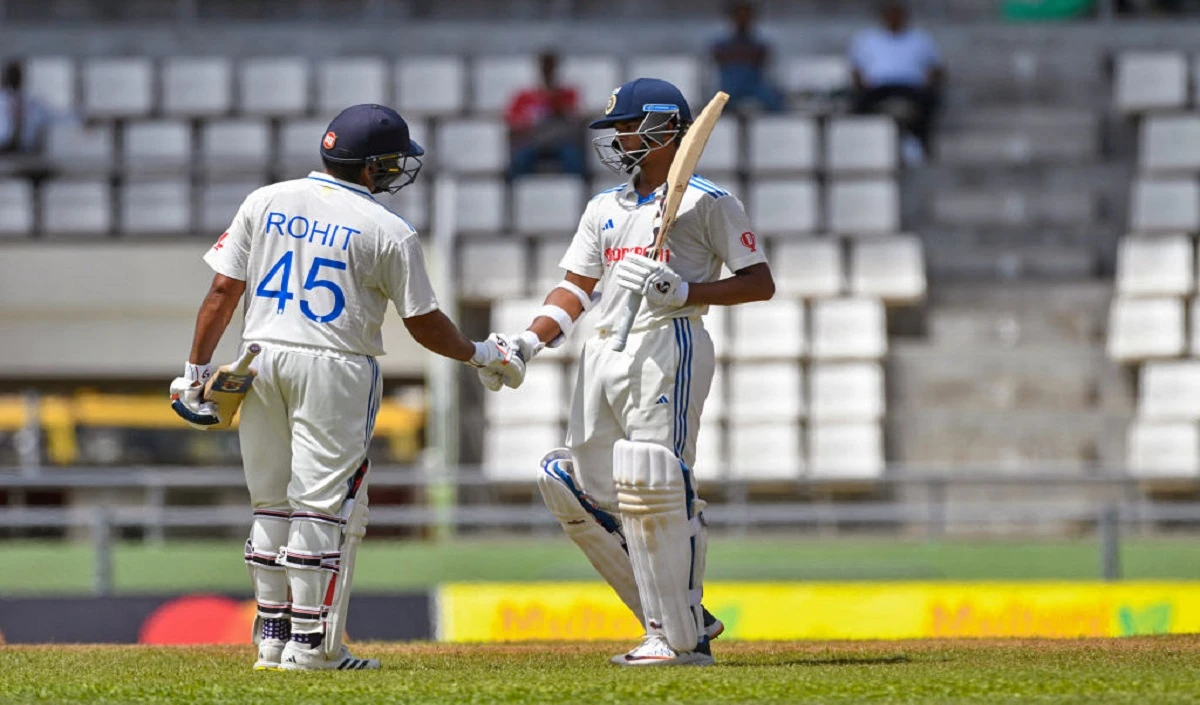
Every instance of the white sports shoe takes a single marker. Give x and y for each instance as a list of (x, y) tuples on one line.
[(302, 658), (713, 628), (269, 653), (655, 651)]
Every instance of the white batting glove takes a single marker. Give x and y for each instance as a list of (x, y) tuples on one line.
[(654, 280), (185, 397), (499, 363)]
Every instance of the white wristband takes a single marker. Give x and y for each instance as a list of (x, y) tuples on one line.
[(584, 300), (560, 316)]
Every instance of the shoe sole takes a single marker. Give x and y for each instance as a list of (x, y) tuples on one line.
[(698, 660)]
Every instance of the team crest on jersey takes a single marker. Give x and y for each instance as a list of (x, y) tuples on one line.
[(750, 241), (612, 101), (330, 140)]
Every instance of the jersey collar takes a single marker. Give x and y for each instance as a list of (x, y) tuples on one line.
[(630, 195), (333, 181)]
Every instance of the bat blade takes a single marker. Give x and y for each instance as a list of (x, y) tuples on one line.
[(228, 387)]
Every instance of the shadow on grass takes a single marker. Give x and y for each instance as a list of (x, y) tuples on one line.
[(822, 661)]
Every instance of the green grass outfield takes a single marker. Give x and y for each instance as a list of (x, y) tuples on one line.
[(32, 567), (1132, 670)]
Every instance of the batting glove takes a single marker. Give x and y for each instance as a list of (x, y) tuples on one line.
[(499, 363), (654, 280), (186, 401)]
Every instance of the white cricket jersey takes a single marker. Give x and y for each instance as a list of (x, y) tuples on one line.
[(711, 229), (321, 259)]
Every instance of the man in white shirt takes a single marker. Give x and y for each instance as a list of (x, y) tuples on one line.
[(897, 69)]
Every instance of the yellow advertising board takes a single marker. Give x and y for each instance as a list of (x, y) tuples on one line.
[(900, 610)]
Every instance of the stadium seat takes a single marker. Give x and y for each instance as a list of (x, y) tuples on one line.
[(1142, 329), (411, 203), (235, 145), (479, 205), (783, 144), (765, 392), (346, 81), (765, 451), (546, 204), (1163, 450), (864, 207), (16, 207), (547, 253), (711, 463), (493, 269), (769, 330), (541, 398), (219, 202), (300, 146), (808, 268), (861, 144), (76, 207), (430, 85), (722, 153), (496, 80), (51, 79), (75, 149), (197, 87), (594, 77), (1156, 265), (784, 206), (155, 207), (514, 455), (846, 392), (1148, 81), (848, 329), (275, 86), (1169, 390), (1166, 205), (681, 70), (845, 451), (716, 322), (1169, 143), (115, 88), (472, 146), (160, 145), (891, 268), (815, 75)]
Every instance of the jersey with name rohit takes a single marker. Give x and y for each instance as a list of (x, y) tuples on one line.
[(711, 229), (321, 258)]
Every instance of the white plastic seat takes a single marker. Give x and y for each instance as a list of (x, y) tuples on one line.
[(815, 74), (717, 323), (76, 207), (220, 200), (845, 451), (594, 77), (51, 79), (769, 330), (682, 70), (430, 85), (496, 80), (16, 207), (1142, 329), (492, 269), (235, 145), (1155, 265), (472, 146), (118, 87), (1166, 205), (300, 145), (712, 462), (547, 204), (765, 451), (197, 86), (765, 392), (74, 148), (722, 152), (1150, 81), (848, 329), (783, 144), (479, 205), (514, 453), (274, 86), (1169, 143), (541, 398), (864, 207), (784, 206), (891, 268), (846, 392), (155, 207), (808, 268), (861, 144), (1169, 391), (158, 145), (1163, 450), (346, 81)]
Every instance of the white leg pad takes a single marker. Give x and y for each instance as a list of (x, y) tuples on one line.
[(596, 532), (337, 601), (311, 557), (654, 495), (268, 532)]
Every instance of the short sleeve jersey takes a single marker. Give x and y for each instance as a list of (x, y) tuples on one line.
[(711, 229), (321, 258)]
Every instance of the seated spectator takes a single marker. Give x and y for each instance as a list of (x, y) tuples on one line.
[(23, 118), (898, 71), (544, 126), (742, 63)]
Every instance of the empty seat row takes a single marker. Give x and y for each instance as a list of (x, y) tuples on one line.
[(1169, 144), (1163, 449), (1155, 80), (1153, 328), (1170, 205), (1156, 265)]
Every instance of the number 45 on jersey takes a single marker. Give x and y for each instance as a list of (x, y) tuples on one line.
[(282, 270)]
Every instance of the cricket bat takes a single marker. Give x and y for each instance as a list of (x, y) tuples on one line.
[(683, 166), (228, 387)]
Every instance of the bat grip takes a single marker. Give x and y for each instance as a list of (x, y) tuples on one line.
[(626, 324)]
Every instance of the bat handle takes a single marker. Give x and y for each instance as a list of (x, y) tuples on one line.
[(626, 323), (243, 362)]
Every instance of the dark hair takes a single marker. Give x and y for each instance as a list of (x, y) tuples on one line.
[(345, 172), (12, 75)]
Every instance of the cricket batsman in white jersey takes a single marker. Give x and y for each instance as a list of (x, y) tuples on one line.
[(623, 487), (319, 259)]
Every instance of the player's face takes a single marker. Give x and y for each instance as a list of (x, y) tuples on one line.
[(635, 142)]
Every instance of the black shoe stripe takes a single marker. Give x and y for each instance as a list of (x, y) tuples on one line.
[(341, 666)]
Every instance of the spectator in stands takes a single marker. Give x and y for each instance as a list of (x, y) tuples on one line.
[(897, 70), (23, 118), (742, 60), (544, 126)]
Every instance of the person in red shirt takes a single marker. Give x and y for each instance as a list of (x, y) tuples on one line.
[(544, 126)]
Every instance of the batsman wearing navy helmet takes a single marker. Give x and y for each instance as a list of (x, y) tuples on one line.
[(623, 487), (319, 259)]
